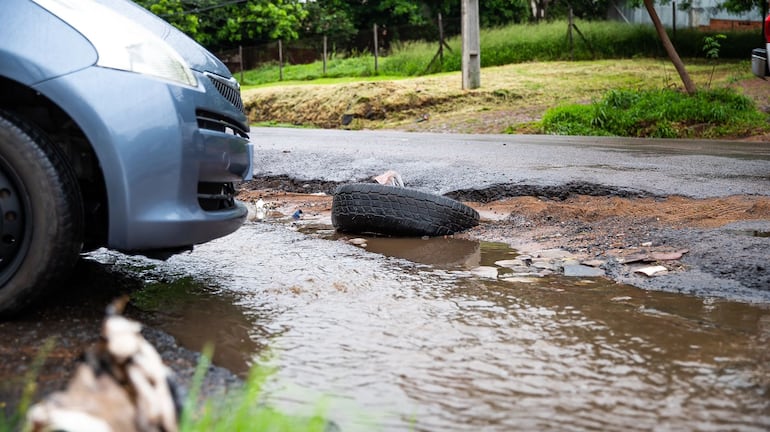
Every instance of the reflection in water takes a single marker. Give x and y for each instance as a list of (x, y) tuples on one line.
[(391, 345)]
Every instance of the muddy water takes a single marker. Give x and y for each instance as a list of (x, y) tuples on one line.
[(401, 336)]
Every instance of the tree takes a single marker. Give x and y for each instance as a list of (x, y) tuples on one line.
[(331, 18), (738, 6), (584, 9), (223, 23), (174, 12), (689, 85), (257, 20)]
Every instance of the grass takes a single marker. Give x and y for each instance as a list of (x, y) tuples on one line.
[(511, 44), (14, 422), (244, 411), (527, 70), (661, 113), (511, 97)]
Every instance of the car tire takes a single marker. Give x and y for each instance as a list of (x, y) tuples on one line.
[(41, 214), (379, 209)]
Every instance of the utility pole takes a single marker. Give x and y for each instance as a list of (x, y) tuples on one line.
[(471, 45)]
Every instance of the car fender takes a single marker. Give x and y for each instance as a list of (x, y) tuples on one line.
[(44, 46)]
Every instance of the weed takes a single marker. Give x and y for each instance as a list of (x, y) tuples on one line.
[(711, 46), (14, 421), (245, 410)]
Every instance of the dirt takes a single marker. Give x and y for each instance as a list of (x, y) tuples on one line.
[(723, 241)]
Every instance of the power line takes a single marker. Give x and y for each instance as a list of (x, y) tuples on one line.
[(205, 8)]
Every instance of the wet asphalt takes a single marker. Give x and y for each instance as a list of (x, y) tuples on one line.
[(442, 163)]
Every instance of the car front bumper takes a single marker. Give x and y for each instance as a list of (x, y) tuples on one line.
[(170, 155)]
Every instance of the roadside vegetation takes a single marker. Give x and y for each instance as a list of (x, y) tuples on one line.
[(243, 411), (660, 113), (531, 83), (516, 43)]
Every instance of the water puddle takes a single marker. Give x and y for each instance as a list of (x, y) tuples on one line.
[(402, 335)]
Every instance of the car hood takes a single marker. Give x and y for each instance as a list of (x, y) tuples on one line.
[(197, 57)]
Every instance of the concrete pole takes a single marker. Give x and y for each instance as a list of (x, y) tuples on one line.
[(471, 45)]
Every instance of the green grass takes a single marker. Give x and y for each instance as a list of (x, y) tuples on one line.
[(244, 411), (512, 44), (661, 113), (14, 422)]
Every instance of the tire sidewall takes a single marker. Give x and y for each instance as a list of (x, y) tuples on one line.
[(389, 210), (26, 162)]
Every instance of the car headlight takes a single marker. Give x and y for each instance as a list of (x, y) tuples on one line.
[(121, 43)]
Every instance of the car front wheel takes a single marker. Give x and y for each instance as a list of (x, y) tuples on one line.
[(41, 215)]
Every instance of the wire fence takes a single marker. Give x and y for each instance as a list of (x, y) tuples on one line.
[(376, 41)]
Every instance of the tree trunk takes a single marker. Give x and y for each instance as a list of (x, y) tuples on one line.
[(689, 86)]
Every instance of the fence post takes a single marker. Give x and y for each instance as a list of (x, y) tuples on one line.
[(240, 59), (280, 60), (673, 18), (324, 54), (441, 41), (571, 21), (376, 49)]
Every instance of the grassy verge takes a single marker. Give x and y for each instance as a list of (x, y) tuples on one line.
[(513, 44), (663, 113), (510, 98)]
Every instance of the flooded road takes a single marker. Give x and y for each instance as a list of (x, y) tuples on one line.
[(402, 335)]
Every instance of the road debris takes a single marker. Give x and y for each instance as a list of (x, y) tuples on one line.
[(390, 178), (654, 256), (652, 270)]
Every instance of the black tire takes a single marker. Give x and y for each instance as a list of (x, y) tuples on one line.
[(379, 209), (41, 213)]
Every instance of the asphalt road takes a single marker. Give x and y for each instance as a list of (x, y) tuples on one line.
[(441, 163)]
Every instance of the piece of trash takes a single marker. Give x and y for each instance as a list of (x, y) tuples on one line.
[(358, 241), (651, 270), (297, 214), (122, 385), (422, 118), (260, 209), (390, 178)]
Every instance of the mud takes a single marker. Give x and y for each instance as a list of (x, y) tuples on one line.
[(723, 257), (44, 345)]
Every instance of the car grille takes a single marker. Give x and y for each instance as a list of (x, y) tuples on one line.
[(229, 88), (216, 196), (212, 121)]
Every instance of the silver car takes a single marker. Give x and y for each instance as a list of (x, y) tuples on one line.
[(117, 131)]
